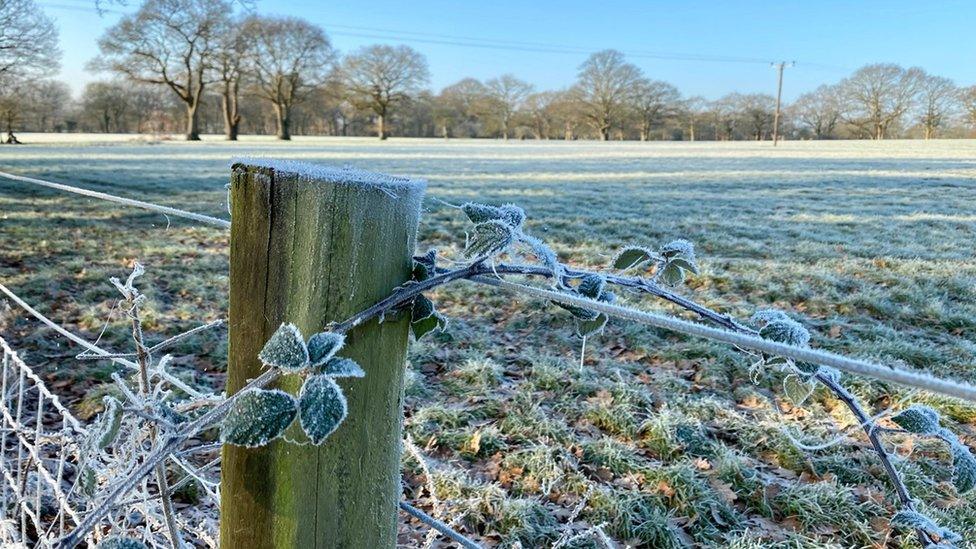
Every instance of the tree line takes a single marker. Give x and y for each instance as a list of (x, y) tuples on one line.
[(194, 66)]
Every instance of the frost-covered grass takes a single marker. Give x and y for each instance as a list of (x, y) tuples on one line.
[(870, 244)]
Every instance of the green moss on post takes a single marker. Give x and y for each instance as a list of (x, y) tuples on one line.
[(312, 246)]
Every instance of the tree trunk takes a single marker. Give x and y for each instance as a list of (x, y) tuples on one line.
[(381, 125), (192, 122), (232, 120), (605, 133), (283, 118)]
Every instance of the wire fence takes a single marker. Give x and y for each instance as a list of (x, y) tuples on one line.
[(41, 453), (39, 449)]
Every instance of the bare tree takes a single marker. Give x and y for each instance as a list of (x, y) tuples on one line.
[(693, 111), (937, 99), (48, 101), (460, 108), (652, 102), (757, 111), (967, 96), (877, 96), (540, 112), (169, 43), (28, 40), (28, 51), (818, 110), (507, 94), (379, 77), (725, 112), (605, 84), (288, 59), (230, 61), (106, 104)]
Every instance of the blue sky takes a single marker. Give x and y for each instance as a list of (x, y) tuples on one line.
[(704, 48)]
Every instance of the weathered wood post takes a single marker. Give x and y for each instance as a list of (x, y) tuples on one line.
[(312, 245)]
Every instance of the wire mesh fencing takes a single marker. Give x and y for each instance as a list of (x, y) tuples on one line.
[(39, 449)]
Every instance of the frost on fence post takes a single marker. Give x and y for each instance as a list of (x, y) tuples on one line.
[(311, 246)]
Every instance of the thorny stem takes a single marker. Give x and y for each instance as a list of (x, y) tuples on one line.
[(143, 358)]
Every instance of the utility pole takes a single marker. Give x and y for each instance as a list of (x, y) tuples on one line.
[(779, 95)]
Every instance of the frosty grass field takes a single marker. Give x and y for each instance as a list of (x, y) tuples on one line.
[(668, 438)]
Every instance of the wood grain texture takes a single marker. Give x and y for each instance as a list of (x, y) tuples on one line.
[(311, 251)]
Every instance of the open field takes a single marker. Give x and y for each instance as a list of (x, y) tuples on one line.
[(870, 244)]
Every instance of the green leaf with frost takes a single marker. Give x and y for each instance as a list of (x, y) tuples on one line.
[(341, 367), (786, 331), (586, 328), (87, 481), (119, 542), (671, 274), (547, 256), (490, 239), (322, 407), (632, 256), (109, 423), (592, 285), (426, 267), (257, 417), (765, 316), (323, 346), (166, 412), (424, 318), (684, 264), (678, 248), (963, 467), (510, 214), (918, 419), (285, 350)]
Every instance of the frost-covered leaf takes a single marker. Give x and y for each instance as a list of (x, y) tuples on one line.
[(765, 316), (109, 423), (322, 407), (424, 318), (678, 248), (341, 367), (918, 419), (511, 214), (285, 350), (87, 481), (547, 256), (963, 468), (913, 520), (592, 285), (422, 308), (672, 274), (579, 313), (786, 331), (684, 264), (119, 542), (425, 267), (632, 256), (586, 328), (257, 417), (323, 346), (490, 238), (424, 326)]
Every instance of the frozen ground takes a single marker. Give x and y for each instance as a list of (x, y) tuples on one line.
[(870, 244)]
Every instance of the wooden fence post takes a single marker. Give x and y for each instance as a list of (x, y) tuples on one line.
[(312, 245)]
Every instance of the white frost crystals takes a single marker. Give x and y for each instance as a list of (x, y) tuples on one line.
[(259, 416)]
